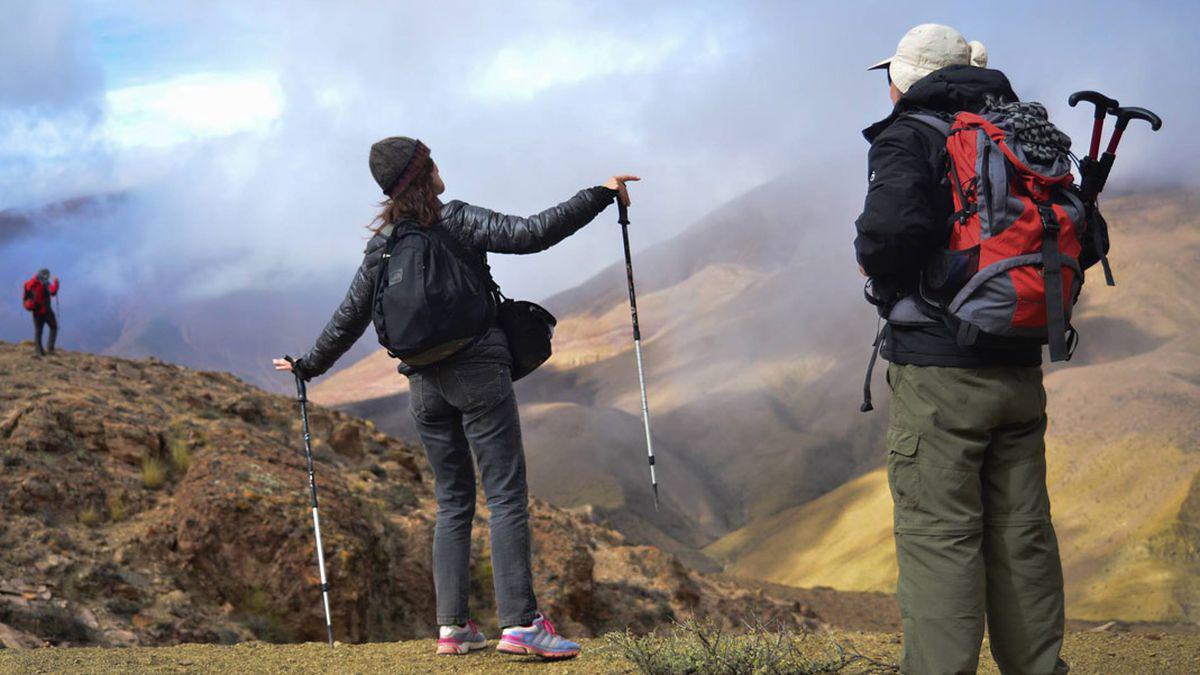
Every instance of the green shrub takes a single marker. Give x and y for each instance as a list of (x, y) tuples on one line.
[(90, 516), (154, 472), (259, 614)]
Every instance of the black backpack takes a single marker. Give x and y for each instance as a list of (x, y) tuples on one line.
[(430, 301)]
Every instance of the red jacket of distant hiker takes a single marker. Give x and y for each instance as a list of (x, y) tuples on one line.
[(37, 296)]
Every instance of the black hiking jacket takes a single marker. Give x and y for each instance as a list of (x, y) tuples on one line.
[(480, 231), (906, 216)]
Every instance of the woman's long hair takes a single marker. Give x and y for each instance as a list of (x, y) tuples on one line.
[(418, 201)]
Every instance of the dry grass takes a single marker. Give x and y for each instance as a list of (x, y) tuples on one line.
[(154, 473)]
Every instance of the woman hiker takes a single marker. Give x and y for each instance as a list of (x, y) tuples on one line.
[(465, 402)]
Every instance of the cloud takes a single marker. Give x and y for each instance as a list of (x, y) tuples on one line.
[(245, 156), (46, 64), (523, 70), (191, 107)]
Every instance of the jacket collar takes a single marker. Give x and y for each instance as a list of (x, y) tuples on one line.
[(950, 90)]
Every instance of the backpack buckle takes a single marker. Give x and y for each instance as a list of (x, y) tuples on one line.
[(1049, 220)]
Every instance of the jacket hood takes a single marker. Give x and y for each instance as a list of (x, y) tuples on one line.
[(950, 90)]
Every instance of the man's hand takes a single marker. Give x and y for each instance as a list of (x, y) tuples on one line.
[(618, 183), (282, 365)]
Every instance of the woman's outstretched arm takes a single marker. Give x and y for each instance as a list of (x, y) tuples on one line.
[(500, 233)]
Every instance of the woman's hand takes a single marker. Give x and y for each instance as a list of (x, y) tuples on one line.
[(618, 183), (282, 364)]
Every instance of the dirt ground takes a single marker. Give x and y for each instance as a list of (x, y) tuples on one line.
[(1103, 653)]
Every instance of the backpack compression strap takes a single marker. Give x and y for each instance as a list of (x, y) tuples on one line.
[(1052, 266)]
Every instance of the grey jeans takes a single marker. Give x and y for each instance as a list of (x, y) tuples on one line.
[(460, 407)]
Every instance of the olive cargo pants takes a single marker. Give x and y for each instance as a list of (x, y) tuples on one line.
[(967, 471)]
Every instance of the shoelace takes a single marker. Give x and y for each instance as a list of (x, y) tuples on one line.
[(548, 626), (471, 625)]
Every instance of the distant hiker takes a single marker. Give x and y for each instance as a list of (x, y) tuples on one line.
[(966, 439), (39, 291), (461, 389)]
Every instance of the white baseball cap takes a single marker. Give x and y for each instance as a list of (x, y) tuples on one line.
[(930, 47)]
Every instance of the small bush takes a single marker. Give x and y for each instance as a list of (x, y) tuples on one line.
[(154, 472), (704, 648), (91, 516), (181, 455), (117, 508), (259, 614)]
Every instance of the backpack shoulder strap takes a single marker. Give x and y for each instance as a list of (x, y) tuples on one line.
[(938, 123), (472, 259)]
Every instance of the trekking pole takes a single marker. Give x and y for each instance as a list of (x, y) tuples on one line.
[(623, 219), (1103, 105), (302, 397), (1092, 172)]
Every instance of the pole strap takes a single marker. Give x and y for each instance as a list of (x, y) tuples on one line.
[(880, 335), (1052, 265)]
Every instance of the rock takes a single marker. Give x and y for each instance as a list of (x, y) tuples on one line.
[(11, 638), (346, 440), (121, 638), (246, 408), (88, 618)]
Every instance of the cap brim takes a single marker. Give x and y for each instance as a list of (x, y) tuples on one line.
[(882, 64)]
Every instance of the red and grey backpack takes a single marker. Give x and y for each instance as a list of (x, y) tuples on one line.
[(1011, 267), (30, 301)]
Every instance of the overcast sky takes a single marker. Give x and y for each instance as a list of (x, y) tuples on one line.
[(240, 130)]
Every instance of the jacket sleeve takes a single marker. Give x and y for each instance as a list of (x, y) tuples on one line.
[(897, 229), (499, 233), (348, 323), (54, 287)]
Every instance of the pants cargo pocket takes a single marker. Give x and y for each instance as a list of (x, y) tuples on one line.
[(904, 478)]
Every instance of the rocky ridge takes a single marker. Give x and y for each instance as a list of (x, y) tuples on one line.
[(148, 504)]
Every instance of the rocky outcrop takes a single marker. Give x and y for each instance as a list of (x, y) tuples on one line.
[(149, 504)]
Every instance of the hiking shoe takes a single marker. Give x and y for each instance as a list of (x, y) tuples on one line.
[(539, 639), (459, 640)]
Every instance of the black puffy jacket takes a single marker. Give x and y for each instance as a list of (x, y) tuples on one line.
[(480, 231), (906, 216)]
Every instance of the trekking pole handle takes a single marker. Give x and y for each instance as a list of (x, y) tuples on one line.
[(622, 212), (301, 390), (1103, 105), (1124, 116)]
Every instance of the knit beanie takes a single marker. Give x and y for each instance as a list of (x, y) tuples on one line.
[(396, 161)]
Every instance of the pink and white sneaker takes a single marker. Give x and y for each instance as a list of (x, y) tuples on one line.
[(459, 640), (539, 639)]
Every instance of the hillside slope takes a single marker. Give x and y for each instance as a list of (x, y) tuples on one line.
[(1123, 449), (149, 504)]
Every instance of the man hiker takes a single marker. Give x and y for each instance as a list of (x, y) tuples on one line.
[(38, 293), (966, 450)]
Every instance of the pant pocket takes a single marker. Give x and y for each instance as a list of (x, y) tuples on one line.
[(904, 478), (416, 405), (482, 385)]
